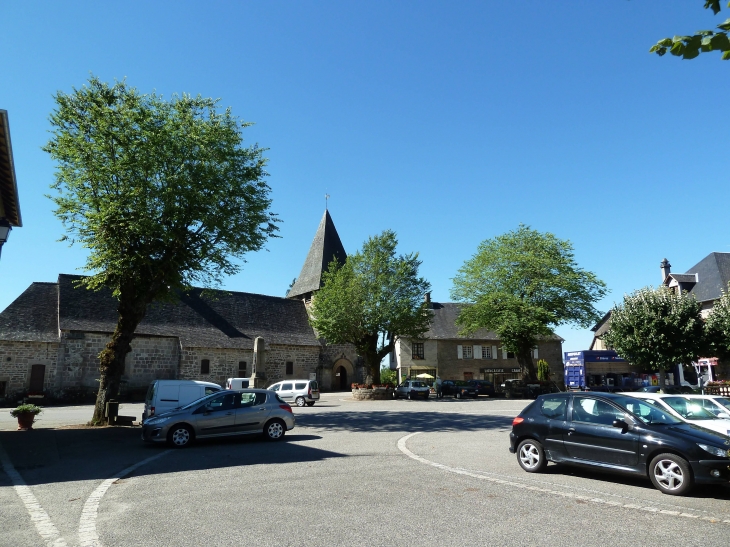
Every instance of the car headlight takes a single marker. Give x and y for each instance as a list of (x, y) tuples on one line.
[(714, 450), (156, 421)]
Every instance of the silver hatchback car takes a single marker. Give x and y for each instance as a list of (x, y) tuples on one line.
[(222, 414)]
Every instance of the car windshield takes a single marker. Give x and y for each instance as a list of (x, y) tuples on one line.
[(418, 384), (649, 411), (197, 401), (688, 409)]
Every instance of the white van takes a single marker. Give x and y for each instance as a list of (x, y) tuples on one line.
[(237, 383), (164, 395)]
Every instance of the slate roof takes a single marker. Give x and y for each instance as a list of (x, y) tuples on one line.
[(33, 316), (325, 246), (713, 275), (444, 327), (684, 278), (8, 187), (216, 319)]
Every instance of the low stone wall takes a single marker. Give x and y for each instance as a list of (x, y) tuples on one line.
[(375, 394)]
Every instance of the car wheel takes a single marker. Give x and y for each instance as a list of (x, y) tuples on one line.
[(311, 403), (274, 430), (300, 401), (670, 474), (395, 394), (531, 456), (409, 396), (457, 395), (180, 436)]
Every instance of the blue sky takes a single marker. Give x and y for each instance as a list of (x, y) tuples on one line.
[(448, 122)]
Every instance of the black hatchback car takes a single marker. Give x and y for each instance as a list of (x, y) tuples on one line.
[(619, 433)]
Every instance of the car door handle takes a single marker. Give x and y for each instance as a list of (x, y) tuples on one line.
[(571, 431)]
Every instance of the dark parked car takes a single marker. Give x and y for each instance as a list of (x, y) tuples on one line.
[(614, 432), (411, 389), (458, 388), (483, 387)]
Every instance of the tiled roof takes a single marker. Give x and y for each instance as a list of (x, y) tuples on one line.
[(713, 273), (444, 327), (211, 319), (8, 186), (684, 278), (325, 246), (33, 316)]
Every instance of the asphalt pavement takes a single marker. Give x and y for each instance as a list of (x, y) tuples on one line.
[(433, 472)]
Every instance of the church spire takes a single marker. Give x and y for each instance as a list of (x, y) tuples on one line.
[(325, 246)]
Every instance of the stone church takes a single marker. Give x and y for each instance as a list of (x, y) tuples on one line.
[(51, 335)]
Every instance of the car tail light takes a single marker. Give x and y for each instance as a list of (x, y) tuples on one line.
[(310, 391), (285, 407), (518, 420), (152, 411)]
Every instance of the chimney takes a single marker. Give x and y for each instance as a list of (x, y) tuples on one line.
[(427, 298), (665, 266)]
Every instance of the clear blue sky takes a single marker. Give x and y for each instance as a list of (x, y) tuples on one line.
[(448, 122)]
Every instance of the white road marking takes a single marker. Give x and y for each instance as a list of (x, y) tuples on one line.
[(403, 448), (88, 537), (40, 518)]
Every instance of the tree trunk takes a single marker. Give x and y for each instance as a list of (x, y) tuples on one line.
[(111, 359), (662, 378), (528, 367)]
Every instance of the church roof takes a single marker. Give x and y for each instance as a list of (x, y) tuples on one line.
[(210, 319), (8, 187), (324, 248)]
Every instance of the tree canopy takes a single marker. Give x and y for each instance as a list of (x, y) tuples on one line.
[(703, 41), (372, 300), (656, 329), (522, 285), (717, 328), (162, 194)]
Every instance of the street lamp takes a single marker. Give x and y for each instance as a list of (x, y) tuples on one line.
[(4, 231)]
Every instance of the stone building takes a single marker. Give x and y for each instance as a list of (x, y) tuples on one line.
[(444, 352), (51, 336)]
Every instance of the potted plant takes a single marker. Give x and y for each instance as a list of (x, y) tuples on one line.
[(26, 415)]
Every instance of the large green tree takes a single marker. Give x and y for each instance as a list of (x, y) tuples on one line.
[(717, 328), (655, 329), (163, 195), (372, 300), (522, 285), (702, 41)]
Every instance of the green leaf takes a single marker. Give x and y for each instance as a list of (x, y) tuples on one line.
[(677, 49), (720, 42), (726, 56), (725, 25), (714, 4), (690, 52)]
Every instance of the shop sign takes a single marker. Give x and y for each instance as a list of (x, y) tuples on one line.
[(487, 370)]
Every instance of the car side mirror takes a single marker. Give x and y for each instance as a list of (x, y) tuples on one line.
[(621, 424)]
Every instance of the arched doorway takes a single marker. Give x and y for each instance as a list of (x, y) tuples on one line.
[(342, 375), (341, 378)]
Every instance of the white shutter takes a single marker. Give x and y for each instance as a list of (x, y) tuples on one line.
[(459, 352), (504, 353), (477, 352), (494, 352), (534, 353)]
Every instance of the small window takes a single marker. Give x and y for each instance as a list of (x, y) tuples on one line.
[(242, 369), (417, 350), (286, 387), (486, 352), (300, 385), (289, 367), (468, 352), (554, 407), (510, 355), (205, 366)]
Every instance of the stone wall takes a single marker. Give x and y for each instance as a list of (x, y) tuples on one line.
[(16, 360)]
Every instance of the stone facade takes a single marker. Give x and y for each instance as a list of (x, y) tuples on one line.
[(16, 361)]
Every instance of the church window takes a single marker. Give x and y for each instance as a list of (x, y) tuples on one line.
[(289, 367), (205, 366), (242, 369)]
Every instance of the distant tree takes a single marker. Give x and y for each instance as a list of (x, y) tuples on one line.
[(717, 328), (522, 285), (703, 41), (656, 329), (388, 376), (161, 193), (543, 370), (372, 300)]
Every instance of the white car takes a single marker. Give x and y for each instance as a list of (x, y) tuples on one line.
[(687, 408), (716, 404)]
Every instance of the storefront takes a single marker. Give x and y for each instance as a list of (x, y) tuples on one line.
[(498, 375)]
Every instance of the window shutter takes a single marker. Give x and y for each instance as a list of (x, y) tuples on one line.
[(534, 353), (477, 352), (494, 352), (504, 353), (459, 352)]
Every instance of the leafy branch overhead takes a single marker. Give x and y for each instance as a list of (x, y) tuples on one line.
[(703, 41)]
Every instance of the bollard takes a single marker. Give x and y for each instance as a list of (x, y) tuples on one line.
[(112, 411)]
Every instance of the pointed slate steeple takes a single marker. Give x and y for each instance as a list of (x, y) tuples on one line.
[(325, 247)]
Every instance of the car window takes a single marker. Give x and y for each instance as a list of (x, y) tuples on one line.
[(648, 410), (417, 384), (710, 406), (247, 399), (586, 409), (202, 400), (300, 385), (554, 407), (724, 402), (688, 409), (314, 385), (275, 387), (286, 387), (211, 389), (220, 403), (260, 398)]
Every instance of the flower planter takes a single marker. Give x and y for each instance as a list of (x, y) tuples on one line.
[(372, 394), (25, 421)]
